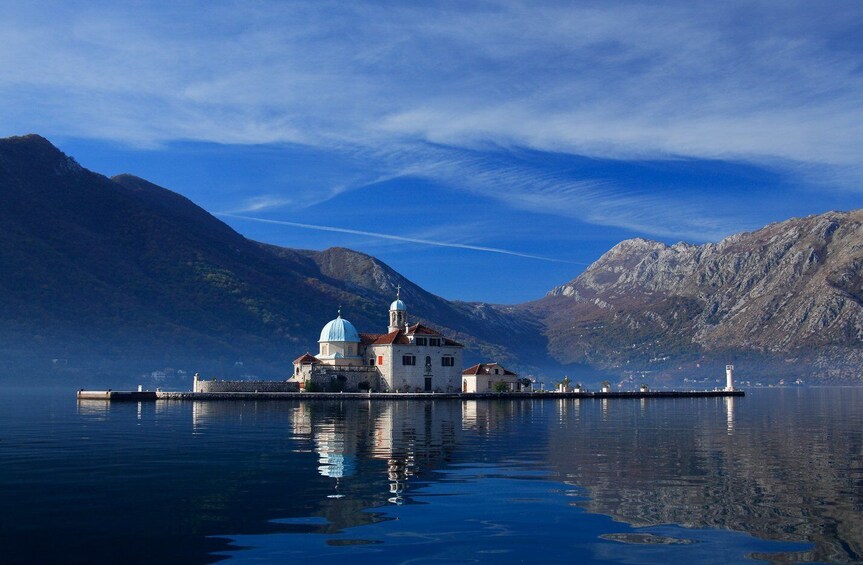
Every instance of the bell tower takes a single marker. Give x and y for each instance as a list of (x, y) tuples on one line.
[(398, 313)]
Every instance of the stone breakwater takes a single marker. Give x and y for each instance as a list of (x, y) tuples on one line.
[(131, 396), (199, 396), (203, 386)]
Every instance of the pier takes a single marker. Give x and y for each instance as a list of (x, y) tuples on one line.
[(133, 396), (117, 395)]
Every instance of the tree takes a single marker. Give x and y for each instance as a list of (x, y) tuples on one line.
[(501, 386)]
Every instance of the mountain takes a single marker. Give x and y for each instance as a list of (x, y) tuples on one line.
[(121, 275), (101, 277), (787, 299)]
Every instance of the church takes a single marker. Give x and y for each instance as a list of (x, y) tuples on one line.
[(407, 358)]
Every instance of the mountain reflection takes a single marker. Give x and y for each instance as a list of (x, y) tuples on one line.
[(783, 466), (791, 474)]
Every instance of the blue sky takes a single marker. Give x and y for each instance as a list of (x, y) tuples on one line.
[(486, 150)]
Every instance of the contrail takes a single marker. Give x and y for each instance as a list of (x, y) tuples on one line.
[(398, 238)]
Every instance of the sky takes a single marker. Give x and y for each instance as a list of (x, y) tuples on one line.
[(486, 150)]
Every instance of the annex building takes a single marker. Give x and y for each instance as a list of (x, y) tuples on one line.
[(407, 358), (491, 377)]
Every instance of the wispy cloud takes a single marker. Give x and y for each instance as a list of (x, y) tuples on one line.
[(525, 185), (765, 82), (612, 79), (260, 203), (404, 239)]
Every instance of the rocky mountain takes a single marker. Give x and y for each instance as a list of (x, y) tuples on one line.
[(786, 299)]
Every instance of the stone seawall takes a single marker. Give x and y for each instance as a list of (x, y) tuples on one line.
[(234, 395), (202, 386)]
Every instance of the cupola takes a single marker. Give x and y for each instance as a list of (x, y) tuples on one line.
[(339, 330), (398, 313)]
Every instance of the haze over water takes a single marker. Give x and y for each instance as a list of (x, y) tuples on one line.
[(776, 476)]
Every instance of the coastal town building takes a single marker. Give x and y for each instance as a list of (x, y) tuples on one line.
[(490, 377), (407, 358)]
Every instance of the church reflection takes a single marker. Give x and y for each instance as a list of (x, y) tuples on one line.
[(409, 437), (413, 438)]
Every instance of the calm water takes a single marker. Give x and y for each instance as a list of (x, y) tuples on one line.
[(776, 476)]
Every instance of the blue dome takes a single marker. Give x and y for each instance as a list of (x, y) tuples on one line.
[(398, 305), (339, 330)]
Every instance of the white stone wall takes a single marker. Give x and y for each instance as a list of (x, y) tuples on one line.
[(412, 377), (348, 349), (480, 383)]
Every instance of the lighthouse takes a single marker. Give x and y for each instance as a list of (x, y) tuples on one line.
[(729, 377)]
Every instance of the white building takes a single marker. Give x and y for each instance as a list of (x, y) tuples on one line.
[(484, 377), (408, 358)]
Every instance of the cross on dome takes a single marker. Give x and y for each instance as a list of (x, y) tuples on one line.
[(398, 311)]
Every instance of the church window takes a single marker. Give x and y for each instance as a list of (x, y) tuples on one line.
[(372, 362), (409, 360), (447, 361), (325, 349), (497, 371)]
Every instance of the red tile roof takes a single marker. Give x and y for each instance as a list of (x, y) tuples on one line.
[(396, 336), (419, 329), (422, 330), (486, 369), (399, 337), (368, 339), (306, 359)]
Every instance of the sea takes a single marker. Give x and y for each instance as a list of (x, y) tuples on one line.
[(775, 476)]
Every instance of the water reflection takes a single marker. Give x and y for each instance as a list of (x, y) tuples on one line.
[(790, 472), (729, 414), (778, 475), (779, 465), (95, 409)]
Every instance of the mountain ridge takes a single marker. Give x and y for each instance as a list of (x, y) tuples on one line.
[(98, 268), (120, 273), (791, 290)]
